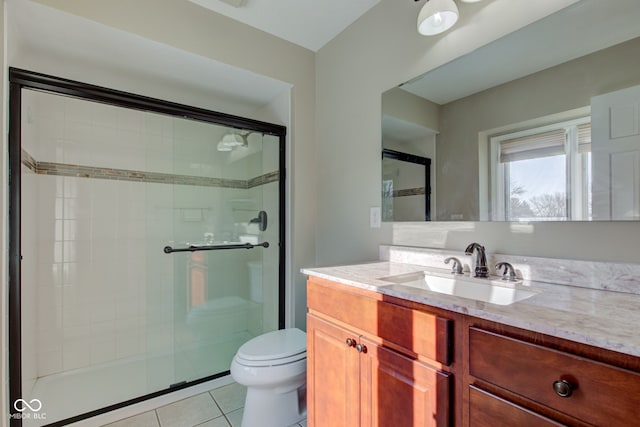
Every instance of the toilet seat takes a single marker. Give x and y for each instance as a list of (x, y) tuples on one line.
[(273, 348)]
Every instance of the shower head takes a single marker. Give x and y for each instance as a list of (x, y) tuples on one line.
[(232, 140)]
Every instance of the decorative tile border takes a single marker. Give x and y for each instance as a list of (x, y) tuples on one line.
[(264, 179), (62, 169), (409, 192)]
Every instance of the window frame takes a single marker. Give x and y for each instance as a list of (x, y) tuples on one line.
[(576, 167)]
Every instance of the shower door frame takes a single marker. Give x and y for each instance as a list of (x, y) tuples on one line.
[(23, 79)]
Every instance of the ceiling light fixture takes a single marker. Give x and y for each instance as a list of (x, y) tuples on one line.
[(437, 16)]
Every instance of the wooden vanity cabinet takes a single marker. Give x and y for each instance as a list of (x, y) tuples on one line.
[(359, 373), (533, 378), (374, 360)]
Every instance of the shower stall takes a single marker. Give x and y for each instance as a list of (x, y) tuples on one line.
[(146, 245)]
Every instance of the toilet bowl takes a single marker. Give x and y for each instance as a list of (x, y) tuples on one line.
[(273, 367)]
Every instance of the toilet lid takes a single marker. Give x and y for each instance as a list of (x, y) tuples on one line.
[(275, 345)]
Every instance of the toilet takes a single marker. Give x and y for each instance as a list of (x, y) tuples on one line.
[(273, 367)]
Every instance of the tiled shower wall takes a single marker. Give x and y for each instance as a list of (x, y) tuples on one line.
[(91, 266), (97, 286)]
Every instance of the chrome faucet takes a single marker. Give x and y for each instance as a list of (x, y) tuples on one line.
[(481, 269)]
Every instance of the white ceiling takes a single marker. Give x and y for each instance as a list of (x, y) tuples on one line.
[(54, 42), (308, 23), (47, 40)]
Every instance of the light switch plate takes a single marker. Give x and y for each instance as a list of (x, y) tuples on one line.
[(375, 217)]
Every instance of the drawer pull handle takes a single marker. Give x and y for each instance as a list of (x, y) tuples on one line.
[(563, 388), (351, 342), (361, 348)]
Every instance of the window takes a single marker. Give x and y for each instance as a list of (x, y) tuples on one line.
[(543, 174)]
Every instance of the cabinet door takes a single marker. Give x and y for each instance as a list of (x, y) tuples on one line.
[(487, 410), (399, 391), (333, 377)]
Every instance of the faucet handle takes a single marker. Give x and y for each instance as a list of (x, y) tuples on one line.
[(508, 273), (456, 268)]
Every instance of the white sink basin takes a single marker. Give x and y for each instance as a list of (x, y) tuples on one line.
[(487, 290)]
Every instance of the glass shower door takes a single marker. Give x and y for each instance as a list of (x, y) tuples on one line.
[(104, 190), (221, 261)]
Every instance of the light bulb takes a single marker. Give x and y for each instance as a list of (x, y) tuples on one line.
[(437, 16), (437, 20)]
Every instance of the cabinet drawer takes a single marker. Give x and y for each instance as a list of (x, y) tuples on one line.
[(601, 394), (419, 332), (487, 410)]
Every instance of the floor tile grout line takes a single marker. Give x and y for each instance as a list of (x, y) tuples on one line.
[(220, 407), (214, 418), (211, 395), (215, 403), (186, 398)]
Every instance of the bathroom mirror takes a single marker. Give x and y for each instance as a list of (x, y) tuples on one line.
[(540, 125)]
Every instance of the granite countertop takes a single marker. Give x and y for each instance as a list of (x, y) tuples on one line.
[(597, 317)]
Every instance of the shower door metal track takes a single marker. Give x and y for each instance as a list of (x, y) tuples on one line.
[(196, 248)]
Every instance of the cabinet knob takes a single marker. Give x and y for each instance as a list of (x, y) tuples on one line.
[(351, 342), (361, 348), (563, 388)]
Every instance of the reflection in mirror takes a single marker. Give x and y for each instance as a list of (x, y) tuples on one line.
[(541, 125), (406, 187)]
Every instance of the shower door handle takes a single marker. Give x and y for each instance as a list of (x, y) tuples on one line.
[(196, 248)]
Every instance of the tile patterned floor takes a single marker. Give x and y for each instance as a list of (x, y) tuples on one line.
[(221, 407)]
